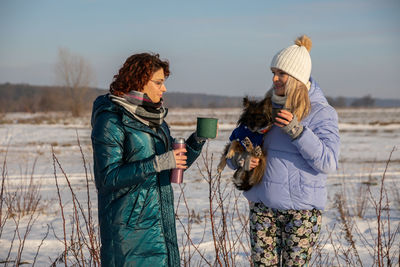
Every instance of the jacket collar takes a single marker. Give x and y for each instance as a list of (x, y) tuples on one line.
[(133, 123)]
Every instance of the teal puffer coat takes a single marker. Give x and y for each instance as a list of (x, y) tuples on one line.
[(135, 204)]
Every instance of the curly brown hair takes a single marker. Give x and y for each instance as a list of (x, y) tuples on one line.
[(137, 72)]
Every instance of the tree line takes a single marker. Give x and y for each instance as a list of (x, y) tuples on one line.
[(34, 98), (30, 98), (340, 102)]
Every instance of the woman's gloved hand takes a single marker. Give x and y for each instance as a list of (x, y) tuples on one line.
[(289, 124), (170, 160)]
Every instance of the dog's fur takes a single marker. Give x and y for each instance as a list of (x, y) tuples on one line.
[(256, 115)]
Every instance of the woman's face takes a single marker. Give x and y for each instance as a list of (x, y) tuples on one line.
[(279, 79), (155, 87)]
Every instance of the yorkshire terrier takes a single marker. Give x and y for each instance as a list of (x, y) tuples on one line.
[(255, 120)]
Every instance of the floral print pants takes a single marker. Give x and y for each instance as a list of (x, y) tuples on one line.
[(282, 235)]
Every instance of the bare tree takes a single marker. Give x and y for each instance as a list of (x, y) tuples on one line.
[(75, 73)]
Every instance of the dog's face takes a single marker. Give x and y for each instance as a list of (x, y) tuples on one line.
[(256, 115)]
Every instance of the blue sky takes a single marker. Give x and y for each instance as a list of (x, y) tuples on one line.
[(214, 47)]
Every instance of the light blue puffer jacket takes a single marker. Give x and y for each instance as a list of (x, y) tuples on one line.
[(296, 171)]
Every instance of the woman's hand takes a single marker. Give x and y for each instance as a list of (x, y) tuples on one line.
[(283, 118), (254, 162), (180, 158), (289, 123)]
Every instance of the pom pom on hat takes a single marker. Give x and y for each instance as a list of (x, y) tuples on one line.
[(295, 60)]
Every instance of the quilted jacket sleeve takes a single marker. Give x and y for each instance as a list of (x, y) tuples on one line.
[(111, 171), (319, 143)]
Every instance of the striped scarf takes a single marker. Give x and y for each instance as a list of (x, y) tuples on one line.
[(142, 108)]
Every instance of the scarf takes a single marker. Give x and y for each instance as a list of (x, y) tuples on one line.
[(277, 99), (142, 108)]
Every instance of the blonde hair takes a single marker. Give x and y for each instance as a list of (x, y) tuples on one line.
[(298, 101)]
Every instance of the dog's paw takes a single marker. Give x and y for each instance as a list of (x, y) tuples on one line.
[(247, 144), (258, 151)]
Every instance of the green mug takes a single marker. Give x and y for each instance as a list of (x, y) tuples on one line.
[(207, 127)]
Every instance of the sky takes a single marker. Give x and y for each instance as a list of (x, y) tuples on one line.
[(214, 47)]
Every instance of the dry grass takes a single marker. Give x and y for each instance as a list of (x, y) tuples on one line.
[(339, 244), (17, 202)]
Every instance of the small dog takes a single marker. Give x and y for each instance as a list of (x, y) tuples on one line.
[(255, 120)]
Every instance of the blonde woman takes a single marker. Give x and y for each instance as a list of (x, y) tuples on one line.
[(301, 147)]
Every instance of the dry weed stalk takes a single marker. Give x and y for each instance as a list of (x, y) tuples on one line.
[(62, 210), (226, 222), (25, 200), (21, 240), (319, 257), (347, 226), (40, 245), (384, 255), (361, 196), (3, 215), (187, 242), (385, 248), (83, 244)]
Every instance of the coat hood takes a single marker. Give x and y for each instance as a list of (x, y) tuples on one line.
[(103, 103), (315, 93)]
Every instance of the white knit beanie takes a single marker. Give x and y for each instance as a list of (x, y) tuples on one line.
[(295, 60)]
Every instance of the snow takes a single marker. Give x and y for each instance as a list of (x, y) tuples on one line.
[(26, 140)]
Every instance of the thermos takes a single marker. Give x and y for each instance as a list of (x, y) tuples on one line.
[(177, 174)]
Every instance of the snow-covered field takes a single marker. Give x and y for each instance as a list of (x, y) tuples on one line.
[(367, 138)]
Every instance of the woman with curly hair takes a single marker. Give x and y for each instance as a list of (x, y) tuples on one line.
[(301, 147), (133, 157)]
